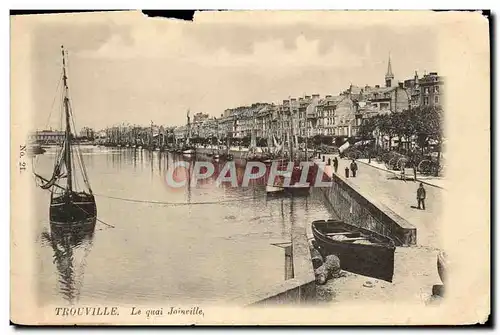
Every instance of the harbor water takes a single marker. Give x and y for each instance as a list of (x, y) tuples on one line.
[(191, 244)]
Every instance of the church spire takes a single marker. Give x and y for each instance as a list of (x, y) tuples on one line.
[(389, 76)]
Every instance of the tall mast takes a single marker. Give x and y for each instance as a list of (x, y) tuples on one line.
[(307, 136), (67, 148), (290, 137)]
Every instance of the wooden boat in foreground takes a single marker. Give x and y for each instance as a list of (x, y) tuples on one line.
[(360, 251)]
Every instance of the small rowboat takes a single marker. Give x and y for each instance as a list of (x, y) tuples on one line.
[(360, 251)]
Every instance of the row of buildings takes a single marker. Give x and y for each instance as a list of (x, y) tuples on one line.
[(310, 115), (50, 136), (331, 115)]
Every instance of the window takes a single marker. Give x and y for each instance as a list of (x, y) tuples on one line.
[(436, 89), (426, 90), (426, 101), (436, 99)]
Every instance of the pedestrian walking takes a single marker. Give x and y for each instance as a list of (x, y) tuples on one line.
[(346, 172), (403, 176), (335, 164), (354, 168), (421, 196)]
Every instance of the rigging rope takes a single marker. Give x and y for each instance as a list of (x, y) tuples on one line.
[(97, 219), (77, 146), (79, 153), (54, 100), (174, 203)]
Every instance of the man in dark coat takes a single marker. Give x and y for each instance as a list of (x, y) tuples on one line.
[(354, 168), (335, 164), (421, 196)]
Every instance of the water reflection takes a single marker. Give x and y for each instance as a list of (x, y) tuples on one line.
[(195, 243), (71, 246)]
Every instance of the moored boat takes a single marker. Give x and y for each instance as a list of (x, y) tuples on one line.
[(360, 251), (298, 189), (35, 149), (274, 190), (67, 204), (188, 152)]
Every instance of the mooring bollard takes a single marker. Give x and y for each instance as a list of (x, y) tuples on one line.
[(329, 161), (323, 159), (319, 155), (346, 172)]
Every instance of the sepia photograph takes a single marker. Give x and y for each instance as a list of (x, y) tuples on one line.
[(250, 167)]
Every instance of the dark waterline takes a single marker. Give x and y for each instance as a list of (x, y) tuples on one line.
[(201, 244)]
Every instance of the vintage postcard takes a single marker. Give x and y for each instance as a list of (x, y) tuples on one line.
[(250, 167)]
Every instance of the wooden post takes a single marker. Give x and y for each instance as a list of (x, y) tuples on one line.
[(288, 262)]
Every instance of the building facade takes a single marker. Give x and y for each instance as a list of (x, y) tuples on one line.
[(337, 116), (47, 136)]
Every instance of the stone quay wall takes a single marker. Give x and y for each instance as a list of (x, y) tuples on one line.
[(346, 202)]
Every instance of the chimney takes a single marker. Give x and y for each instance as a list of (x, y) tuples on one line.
[(400, 84), (377, 86), (300, 99), (307, 97), (328, 96), (293, 99), (315, 96)]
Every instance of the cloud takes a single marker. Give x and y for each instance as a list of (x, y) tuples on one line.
[(172, 42)]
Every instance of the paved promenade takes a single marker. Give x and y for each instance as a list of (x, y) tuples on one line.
[(400, 196), (415, 269)]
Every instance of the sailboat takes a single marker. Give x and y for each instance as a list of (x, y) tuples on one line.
[(227, 154), (67, 203), (189, 150), (295, 188), (216, 153)]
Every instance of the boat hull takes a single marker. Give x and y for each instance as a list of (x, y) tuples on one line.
[(75, 208), (298, 190), (274, 190), (371, 260), (84, 228)]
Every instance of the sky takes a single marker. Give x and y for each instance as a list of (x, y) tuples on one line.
[(128, 68)]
